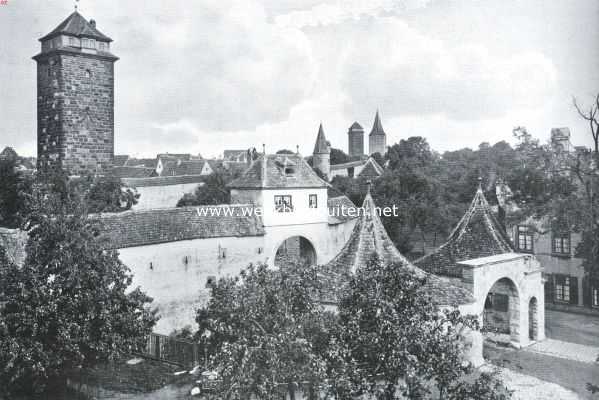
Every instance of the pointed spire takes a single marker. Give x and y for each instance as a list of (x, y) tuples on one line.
[(321, 145), (377, 127)]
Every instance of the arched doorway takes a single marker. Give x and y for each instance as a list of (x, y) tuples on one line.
[(533, 323), (295, 250), (501, 315)]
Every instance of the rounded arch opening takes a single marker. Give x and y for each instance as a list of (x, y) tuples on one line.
[(533, 319), (295, 250), (501, 314)]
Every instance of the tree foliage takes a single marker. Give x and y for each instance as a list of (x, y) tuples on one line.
[(401, 344), (68, 306), (14, 186), (213, 190), (266, 332), (267, 336)]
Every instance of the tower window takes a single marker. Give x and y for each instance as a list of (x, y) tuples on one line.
[(88, 73), (88, 43), (313, 201)]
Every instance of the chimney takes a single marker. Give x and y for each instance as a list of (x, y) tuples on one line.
[(92, 22)]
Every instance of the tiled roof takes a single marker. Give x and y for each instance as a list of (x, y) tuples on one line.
[(368, 238), (132, 172), (162, 180), (176, 167), (144, 162), (336, 205), (321, 145), (235, 155), (478, 234), (356, 127), (175, 156), (120, 160), (76, 25), (372, 169), (145, 227), (377, 127), (279, 171), (349, 164)]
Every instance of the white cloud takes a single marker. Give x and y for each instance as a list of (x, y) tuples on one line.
[(221, 64), (342, 10), (390, 65)]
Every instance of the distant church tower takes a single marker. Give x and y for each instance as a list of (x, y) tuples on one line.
[(75, 98), (355, 137), (321, 157), (377, 140)]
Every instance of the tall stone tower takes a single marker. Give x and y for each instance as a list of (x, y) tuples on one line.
[(75, 98), (321, 157), (377, 140), (355, 138)]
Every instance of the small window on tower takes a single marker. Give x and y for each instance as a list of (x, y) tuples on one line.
[(88, 74)]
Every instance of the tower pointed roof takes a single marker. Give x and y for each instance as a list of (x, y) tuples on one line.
[(321, 145), (377, 127), (356, 127), (369, 237), (477, 234), (76, 25)]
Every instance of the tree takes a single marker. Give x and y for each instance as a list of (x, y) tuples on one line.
[(69, 306), (14, 186), (266, 332), (103, 193), (592, 117), (338, 156), (285, 151), (402, 343), (213, 190)]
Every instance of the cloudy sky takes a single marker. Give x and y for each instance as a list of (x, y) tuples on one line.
[(208, 75)]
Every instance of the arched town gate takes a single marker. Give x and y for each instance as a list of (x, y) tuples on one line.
[(295, 250), (503, 287)]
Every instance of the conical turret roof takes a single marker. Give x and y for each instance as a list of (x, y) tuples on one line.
[(478, 234), (321, 145), (377, 127), (369, 237)]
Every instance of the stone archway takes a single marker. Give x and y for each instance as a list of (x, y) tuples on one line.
[(533, 319), (501, 314), (295, 250)]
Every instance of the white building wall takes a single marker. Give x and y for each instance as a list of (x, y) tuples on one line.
[(162, 196), (179, 288)]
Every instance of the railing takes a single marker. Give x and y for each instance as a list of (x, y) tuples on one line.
[(172, 350)]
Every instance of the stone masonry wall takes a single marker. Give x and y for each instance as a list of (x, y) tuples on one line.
[(76, 112)]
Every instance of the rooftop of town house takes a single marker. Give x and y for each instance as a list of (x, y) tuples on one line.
[(133, 172), (368, 238), (146, 227), (162, 180), (495, 259), (275, 171), (478, 234)]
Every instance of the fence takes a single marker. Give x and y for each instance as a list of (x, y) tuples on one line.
[(172, 350)]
